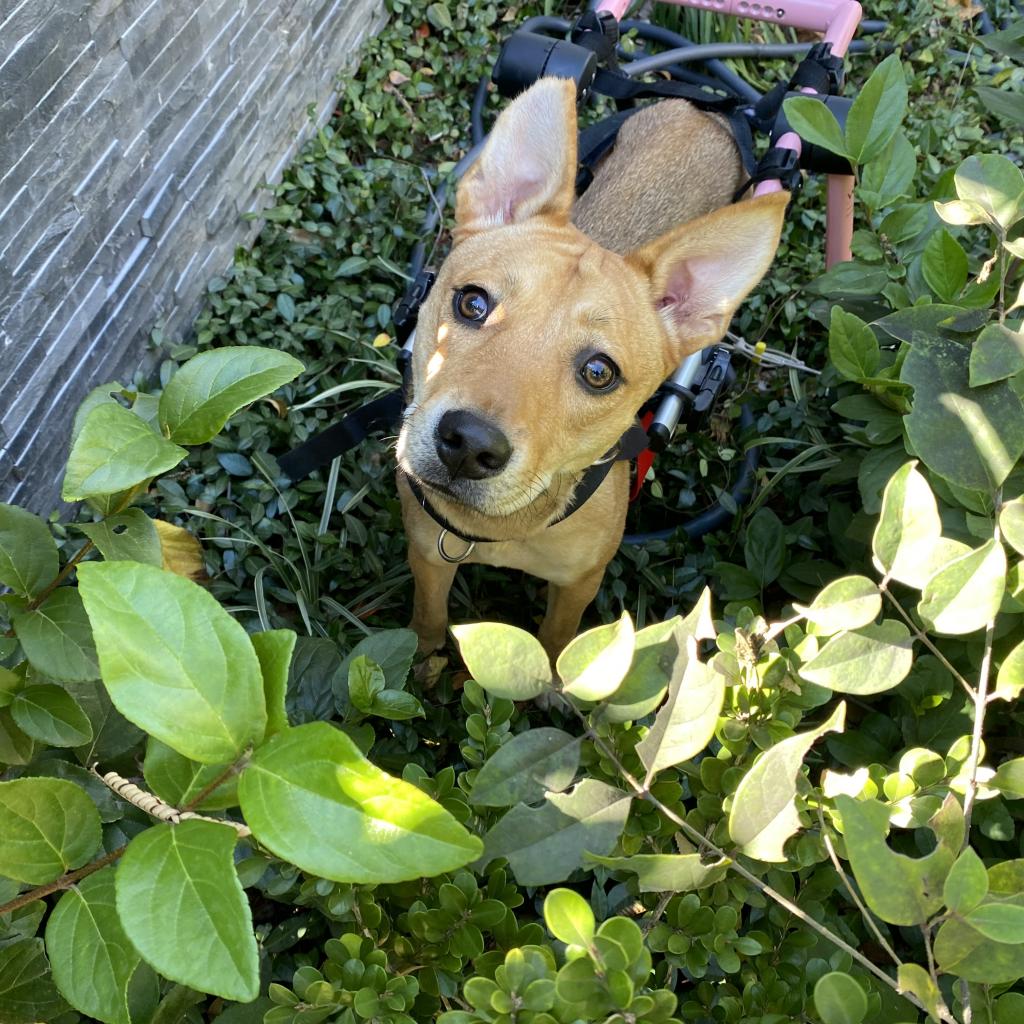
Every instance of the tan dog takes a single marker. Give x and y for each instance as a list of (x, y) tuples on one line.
[(542, 337)]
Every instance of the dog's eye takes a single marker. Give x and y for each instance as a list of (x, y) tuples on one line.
[(472, 305), (599, 373)]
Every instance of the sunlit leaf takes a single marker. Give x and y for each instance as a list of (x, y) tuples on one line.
[(593, 665), (965, 595), (506, 661)]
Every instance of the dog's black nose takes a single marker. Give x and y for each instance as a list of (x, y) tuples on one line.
[(470, 446)]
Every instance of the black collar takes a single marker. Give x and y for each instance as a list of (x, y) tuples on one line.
[(627, 447)]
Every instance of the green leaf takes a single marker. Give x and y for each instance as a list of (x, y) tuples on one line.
[(965, 595), (311, 797), (1009, 778), (129, 536), (814, 123), (505, 660), (546, 844), (365, 681), (838, 998), (876, 113), (966, 884), (28, 552), (862, 661), (1000, 922), (993, 183), (438, 16), (182, 907), (274, 649), (528, 766), (214, 385), (286, 306), (47, 827), (997, 354), (846, 603), (93, 961), (667, 872), (764, 814), (852, 345), (112, 733), (944, 265), (889, 176), (899, 889), (908, 527), (51, 715), (765, 547), (686, 722), (1010, 678), (57, 638), (655, 650), (916, 980), (178, 781), (971, 437), (593, 665), (1006, 105), (849, 278), (115, 451), (569, 917), (27, 992), (392, 649), (396, 706), (174, 661)]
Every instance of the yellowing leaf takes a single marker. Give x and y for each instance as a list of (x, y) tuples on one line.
[(182, 552)]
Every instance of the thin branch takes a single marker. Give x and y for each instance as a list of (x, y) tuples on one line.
[(869, 919), (69, 565), (650, 922), (64, 882), (232, 769), (749, 876), (925, 639)]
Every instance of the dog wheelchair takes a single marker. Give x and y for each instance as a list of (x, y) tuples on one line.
[(589, 53)]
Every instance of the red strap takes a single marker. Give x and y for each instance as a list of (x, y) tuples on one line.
[(644, 461)]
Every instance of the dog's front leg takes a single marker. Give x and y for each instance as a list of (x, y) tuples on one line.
[(433, 580), (566, 605)]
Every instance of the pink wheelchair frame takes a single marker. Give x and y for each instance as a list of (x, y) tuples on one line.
[(838, 21)]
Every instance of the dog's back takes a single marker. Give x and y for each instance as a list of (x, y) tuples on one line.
[(671, 164)]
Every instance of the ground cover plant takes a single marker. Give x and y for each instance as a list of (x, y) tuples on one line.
[(781, 777)]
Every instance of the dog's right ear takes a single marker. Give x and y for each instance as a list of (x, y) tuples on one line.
[(528, 164)]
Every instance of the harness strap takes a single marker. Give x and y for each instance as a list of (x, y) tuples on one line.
[(380, 414)]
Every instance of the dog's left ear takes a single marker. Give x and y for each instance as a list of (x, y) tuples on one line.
[(701, 271), (528, 164)]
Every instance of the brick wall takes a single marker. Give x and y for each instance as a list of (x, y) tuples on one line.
[(132, 135)]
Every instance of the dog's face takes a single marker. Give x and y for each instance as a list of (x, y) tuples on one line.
[(537, 346)]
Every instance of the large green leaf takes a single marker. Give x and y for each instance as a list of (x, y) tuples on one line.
[(993, 183), (764, 814), (997, 354), (51, 715), (908, 527), (889, 176), (944, 265), (546, 844), (847, 603), (814, 123), (972, 437), (965, 952), (965, 595), (528, 766), (129, 536), (966, 884), (392, 649), (764, 548), (656, 649), (311, 797), (92, 959), (57, 638), (593, 665), (178, 781), (876, 113), (505, 660), (863, 661), (899, 889), (27, 992), (174, 661), (686, 722), (214, 385), (116, 451), (852, 345), (182, 907), (28, 552), (667, 872), (47, 827), (1000, 922), (274, 648)]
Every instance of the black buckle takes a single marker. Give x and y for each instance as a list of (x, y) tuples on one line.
[(821, 55), (407, 311), (777, 163), (712, 380)]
